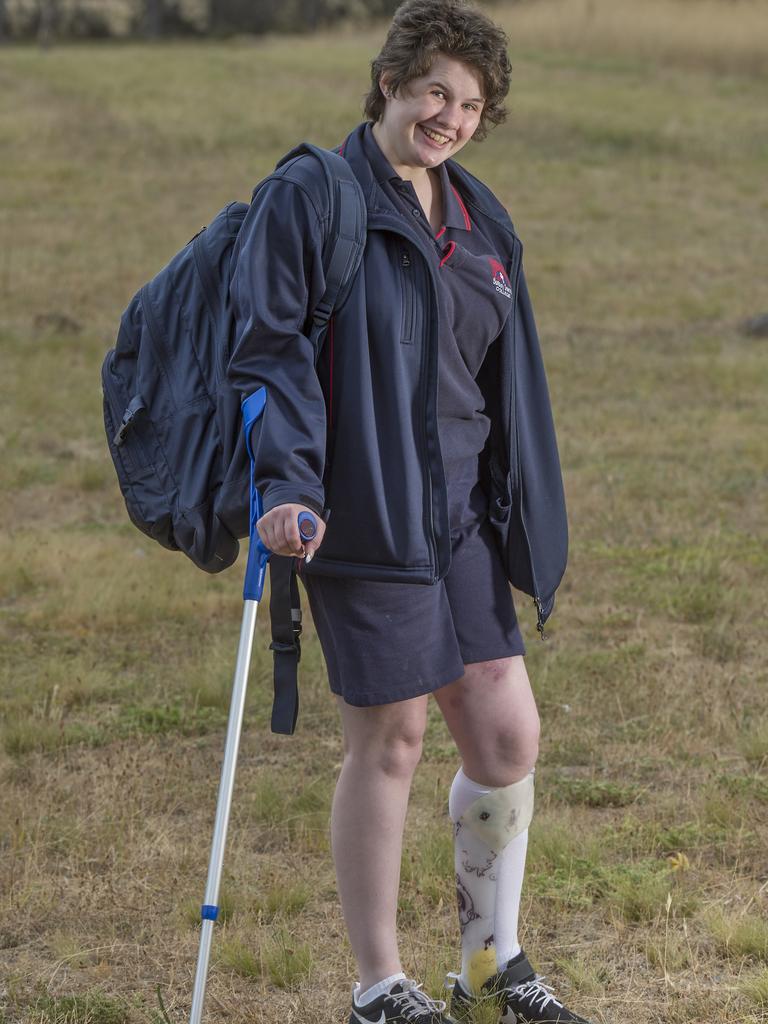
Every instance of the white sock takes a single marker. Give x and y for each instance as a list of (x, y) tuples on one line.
[(489, 887), (509, 886), (361, 998)]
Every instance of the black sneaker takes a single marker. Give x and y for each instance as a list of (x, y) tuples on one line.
[(521, 994), (404, 1002)]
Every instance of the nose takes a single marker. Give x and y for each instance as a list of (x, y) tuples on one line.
[(449, 116)]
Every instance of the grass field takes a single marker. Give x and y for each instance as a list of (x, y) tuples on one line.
[(634, 164)]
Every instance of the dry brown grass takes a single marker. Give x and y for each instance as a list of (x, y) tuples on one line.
[(635, 170), (709, 35)]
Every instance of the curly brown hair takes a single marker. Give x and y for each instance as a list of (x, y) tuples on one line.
[(423, 29)]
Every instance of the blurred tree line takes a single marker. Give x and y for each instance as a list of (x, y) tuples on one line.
[(47, 20)]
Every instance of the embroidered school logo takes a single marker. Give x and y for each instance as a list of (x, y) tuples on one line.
[(500, 279)]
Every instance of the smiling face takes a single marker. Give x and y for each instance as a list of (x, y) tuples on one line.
[(430, 118)]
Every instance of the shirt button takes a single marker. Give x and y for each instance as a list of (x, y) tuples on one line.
[(416, 213)]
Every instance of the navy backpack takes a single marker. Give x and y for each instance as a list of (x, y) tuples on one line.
[(172, 419)]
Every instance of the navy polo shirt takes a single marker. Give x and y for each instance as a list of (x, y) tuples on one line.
[(475, 299)]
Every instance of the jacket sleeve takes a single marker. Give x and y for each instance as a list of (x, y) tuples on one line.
[(277, 279)]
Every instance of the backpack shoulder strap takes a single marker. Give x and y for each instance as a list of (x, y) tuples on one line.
[(339, 191)]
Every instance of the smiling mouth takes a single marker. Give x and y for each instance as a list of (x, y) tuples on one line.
[(441, 140)]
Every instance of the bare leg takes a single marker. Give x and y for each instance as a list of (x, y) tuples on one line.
[(382, 746), (491, 714)]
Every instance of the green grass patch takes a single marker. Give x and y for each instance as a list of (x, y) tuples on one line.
[(484, 1011), (158, 720), (594, 792), (748, 787), (640, 892), (287, 962), (22, 735), (283, 899), (739, 934), (724, 810), (584, 974), (754, 743), (90, 1008), (573, 869), (687, 835), (301, 811), (427, 869), (236, 955), (755, 987)]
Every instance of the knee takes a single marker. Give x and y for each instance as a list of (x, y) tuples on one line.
[(508, 755), (401, 755), (518, 749), (394, 753)]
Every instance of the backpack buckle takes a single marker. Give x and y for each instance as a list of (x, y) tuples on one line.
[(135, 406), (294, 649)]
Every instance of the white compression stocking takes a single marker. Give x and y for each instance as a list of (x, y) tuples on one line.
[(490, 848)]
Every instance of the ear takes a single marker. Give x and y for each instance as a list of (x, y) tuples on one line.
[(385, 87)]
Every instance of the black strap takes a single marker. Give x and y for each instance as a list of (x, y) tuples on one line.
[(285, 613)]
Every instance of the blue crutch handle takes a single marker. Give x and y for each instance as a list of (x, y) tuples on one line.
[(258, 552), (307, 526)]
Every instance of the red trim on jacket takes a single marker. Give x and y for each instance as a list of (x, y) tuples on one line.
[(448, 253), (467, 221)]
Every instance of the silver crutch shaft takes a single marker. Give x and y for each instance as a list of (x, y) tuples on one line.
[(210, 907)]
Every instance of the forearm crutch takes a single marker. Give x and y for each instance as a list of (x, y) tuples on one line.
[(255, 573)]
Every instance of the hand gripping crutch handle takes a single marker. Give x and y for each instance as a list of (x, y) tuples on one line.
[(258, 556)]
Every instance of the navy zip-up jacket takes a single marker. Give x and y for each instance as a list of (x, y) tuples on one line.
[(351, 429)]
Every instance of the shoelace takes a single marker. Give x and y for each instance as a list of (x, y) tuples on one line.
[(412, 998), (534, 991)]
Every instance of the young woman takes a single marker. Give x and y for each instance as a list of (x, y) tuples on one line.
[(422, 433)]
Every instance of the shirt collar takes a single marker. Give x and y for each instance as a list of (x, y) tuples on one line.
[(455, 215)]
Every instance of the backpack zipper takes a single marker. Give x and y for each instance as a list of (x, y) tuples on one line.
[(122, 419)]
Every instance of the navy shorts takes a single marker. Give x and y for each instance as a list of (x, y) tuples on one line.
[(385, 642)]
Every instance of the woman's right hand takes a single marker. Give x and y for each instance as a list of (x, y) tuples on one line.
[(279, 531)]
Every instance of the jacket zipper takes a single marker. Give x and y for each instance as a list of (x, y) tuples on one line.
[(431, 541), (406, 276)]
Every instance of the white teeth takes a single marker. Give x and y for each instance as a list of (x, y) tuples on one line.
[(436, 136)]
